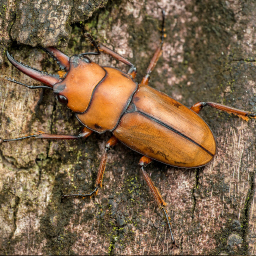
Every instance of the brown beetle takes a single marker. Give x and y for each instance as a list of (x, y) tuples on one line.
[(145, 120)]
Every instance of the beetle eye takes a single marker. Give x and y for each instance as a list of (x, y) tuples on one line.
[(62, 99)]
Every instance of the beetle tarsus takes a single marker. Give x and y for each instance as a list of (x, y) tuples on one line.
[(251, 115), (169, 225), (98, 184), (42, 135), (95, 191), (23, 137), (158, 198), (156, 56)]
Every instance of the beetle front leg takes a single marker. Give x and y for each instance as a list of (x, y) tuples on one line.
[(132, 71), (98, 184), (156, 56), (84, 134), (158, 198), (101, 48), (240, 113)]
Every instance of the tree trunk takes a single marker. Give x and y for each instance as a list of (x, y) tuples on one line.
[(208, 55)]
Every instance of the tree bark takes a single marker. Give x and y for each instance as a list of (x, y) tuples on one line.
[(208, 55)]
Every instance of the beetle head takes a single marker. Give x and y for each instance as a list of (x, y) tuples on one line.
[(78, 85), (76, 88)]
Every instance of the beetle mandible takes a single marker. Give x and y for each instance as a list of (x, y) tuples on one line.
[(142, 118)]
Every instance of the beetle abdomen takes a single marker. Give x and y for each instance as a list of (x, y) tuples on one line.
[(165, 130)]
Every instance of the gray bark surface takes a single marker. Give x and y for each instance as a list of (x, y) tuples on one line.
[(208, 55)]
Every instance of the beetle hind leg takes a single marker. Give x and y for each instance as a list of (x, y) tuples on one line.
[(158, 198), (98, 184), (240, 113)]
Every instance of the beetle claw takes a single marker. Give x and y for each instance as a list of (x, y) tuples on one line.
[(40, 76)]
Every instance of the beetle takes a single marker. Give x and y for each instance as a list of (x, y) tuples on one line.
[(144, 119)]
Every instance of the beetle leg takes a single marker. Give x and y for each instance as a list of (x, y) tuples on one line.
[(151, 66), (101, 48), (84, 134), (98, 184), (132, 71), (243, 114), (158, 198), (28, 86), (156, 56)]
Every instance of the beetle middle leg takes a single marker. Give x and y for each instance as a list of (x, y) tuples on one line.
[(158, 198), (240, 113), (98, 184)]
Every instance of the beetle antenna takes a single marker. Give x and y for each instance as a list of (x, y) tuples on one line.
[(163, 35), (93, 42), (28, 86)]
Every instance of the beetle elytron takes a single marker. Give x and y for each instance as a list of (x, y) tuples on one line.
[(145, 120)]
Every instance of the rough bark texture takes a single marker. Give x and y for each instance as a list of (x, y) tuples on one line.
[(43, 22), (208, 55)]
